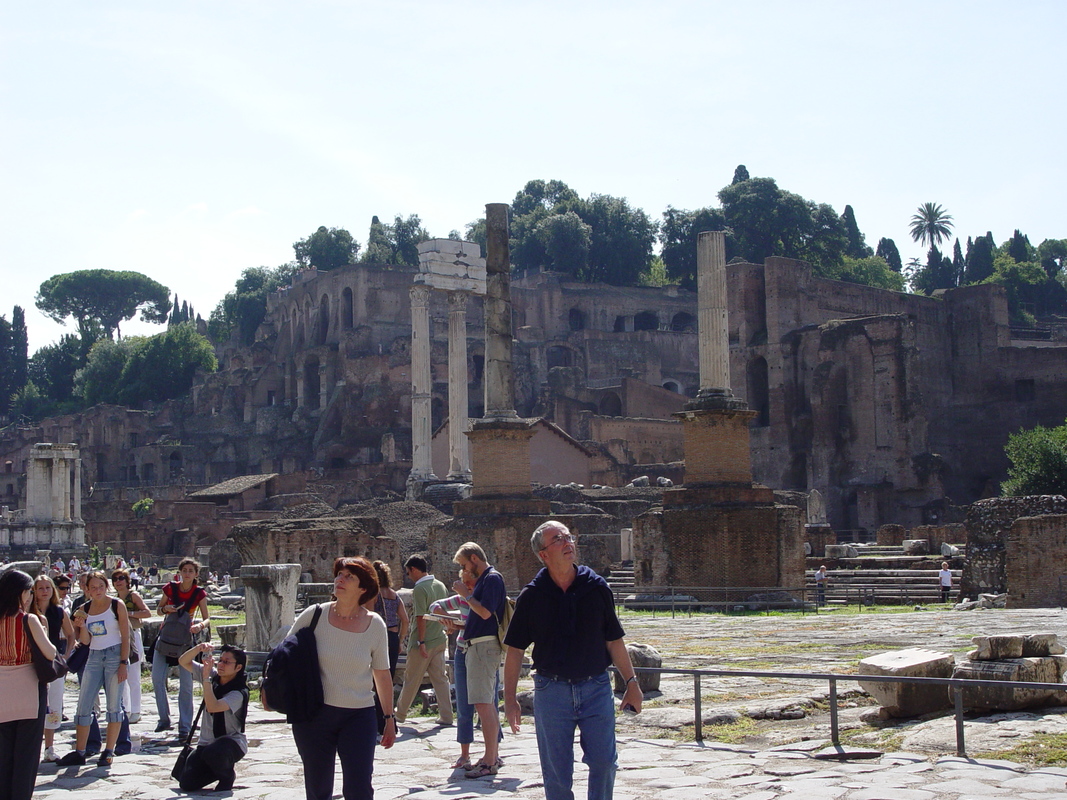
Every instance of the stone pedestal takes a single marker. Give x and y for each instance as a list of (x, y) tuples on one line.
[(500, 457), (270, 603), (717, 448)]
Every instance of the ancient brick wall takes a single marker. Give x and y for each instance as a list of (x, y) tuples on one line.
[(1036, 562), (988, 525)]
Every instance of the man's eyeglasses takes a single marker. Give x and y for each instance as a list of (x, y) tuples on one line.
[(560, 538)]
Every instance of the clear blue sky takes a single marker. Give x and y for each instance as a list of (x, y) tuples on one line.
[(192, 140)]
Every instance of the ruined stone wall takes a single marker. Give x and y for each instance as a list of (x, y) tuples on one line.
[(639, 441), (988, 525), (1036, 562)]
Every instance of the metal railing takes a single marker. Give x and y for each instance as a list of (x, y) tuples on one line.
[(956, 687)]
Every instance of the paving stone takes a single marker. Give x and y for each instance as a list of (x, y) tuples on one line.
[(968, 786), (884, 793)]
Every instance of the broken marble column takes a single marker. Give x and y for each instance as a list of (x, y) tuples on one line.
[(900, 699), (1036, 670), (713, 339), (421, 382), (499, 377), (459, 465), (270, 603)]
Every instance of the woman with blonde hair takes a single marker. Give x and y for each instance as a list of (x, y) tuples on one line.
[(56, 621), (22, 695)]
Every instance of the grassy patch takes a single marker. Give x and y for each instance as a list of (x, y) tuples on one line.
[(1042, 750), (731, 733)]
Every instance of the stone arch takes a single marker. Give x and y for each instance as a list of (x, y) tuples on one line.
[(322, 321), (672, 386), (347, 309), (620, 324), (610, 405), (646, 321), (684, 322), (759, 391), (576, 319)]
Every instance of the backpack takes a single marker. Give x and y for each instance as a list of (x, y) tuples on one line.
[(292, 683), (175, 634), (505, 620)]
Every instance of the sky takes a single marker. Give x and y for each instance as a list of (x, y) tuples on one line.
[(192, 140)]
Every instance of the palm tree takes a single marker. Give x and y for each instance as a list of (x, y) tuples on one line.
[(930, 224)]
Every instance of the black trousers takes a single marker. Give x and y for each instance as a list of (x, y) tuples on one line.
[(20, 753), (209, 763), (345, 733)]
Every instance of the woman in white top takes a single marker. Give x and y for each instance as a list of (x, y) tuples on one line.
[(353, 648), (104, 625), (945, 579)]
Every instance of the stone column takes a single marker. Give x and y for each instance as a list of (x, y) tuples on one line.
[(459, 465), (77, 490), (713, 339), (270, 603), (499, 378), (421, 381), (57, 489)]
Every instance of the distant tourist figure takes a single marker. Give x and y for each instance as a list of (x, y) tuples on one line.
[(568, 613), (427, 644), (945, 579), (821, 580)]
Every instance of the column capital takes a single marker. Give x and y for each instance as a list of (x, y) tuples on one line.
[(420, 294), (457, 299)]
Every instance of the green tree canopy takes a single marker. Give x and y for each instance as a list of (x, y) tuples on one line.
[(871, 271), (857, 245), (930, 224), (979, 259), (620, 250), (244, 308), (678, 234), (326, 249), (566, 241), (1038, 462), (1053, 256), (161, 367), (397, 243), (1019, 247), (104, 298), (53, 367), (887, 249)]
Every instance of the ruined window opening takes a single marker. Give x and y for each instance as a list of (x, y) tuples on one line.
[(611, 405), (576, 320), (346, 309), (133, 440), (311, 384), (684, 322), (560, 357), (148, 472), (479, 368), (1025, 391), (101, 473), (7, 466), (271, 394), (324, 320), (338, 463), (672, 386), (11, 489), (646, 321), (175, 464), (620, 324), (759, 392)]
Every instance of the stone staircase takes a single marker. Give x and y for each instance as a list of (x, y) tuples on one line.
[(881, 586), (621, 579)]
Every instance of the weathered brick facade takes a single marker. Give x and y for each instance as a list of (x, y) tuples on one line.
[(1036, 562)]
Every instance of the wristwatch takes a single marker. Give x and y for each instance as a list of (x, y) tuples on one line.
[(631, 679), (125, 661)]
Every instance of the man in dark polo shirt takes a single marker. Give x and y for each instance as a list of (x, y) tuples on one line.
[(567, 612), (482, 659)]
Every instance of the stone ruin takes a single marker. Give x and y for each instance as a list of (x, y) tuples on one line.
[(1031, 658)]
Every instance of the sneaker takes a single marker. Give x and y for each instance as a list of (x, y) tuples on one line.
[(72, 759), (134, 718), (50, 755), (106, 758)]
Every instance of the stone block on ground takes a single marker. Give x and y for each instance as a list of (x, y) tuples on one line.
[(841, 551), (916, 547), (1042, 644), (908, 699), (1037, 670), (995, 648), (642, 655)]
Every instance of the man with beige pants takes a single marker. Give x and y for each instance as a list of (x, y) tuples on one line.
[(427, 644)]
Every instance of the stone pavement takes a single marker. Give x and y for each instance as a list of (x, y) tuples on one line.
[(418, 767)]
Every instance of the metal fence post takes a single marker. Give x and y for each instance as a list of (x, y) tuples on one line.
[(961, 747), (835, 733), (698, 722)]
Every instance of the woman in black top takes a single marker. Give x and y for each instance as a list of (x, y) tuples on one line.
[(48, 606)]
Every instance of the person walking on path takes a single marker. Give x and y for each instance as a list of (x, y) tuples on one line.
[(427, 644), (567, 613), (486, 600)]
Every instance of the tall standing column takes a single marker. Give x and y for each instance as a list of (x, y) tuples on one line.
[(713, 339), (58, 474), (459, 465), (499, 378), (77, 490), (421, 380)]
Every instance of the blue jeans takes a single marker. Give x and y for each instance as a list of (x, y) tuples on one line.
[(101, 671), (185, 693), (560, 707), (464, 710)]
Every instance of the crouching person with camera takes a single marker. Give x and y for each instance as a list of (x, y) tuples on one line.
[(222, 736)]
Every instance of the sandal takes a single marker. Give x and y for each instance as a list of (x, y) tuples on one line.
[(463, 762), (482, 770)]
